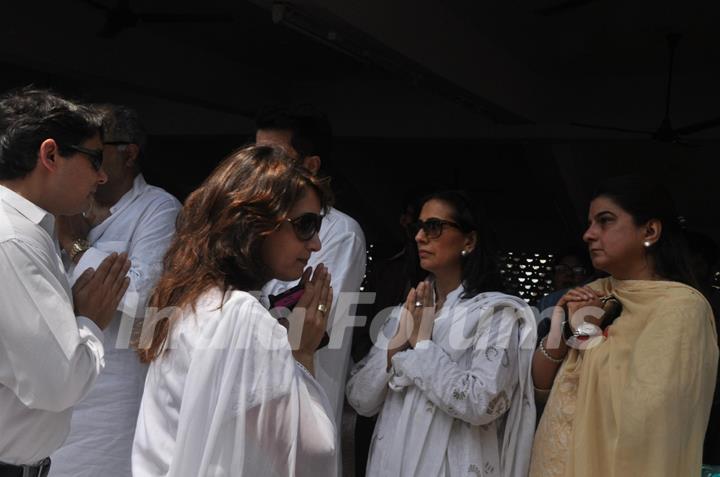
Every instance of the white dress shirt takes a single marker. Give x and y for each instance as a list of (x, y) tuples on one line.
[(343, 252), (49, 358), (141, 223), (227, 398)]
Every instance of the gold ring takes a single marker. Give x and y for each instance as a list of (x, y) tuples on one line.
[(322, 308)]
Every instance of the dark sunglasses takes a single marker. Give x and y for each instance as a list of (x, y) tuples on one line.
[(561, 267), (433, 228), (306, 225), (95, 155)]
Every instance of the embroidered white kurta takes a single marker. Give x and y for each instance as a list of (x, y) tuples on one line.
[(228, 399), (49, 358), (343, 253), (456, 405), (141, 223)]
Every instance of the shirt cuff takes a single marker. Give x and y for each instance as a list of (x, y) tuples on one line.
[(414, 363), (87, 323), (400, 379)]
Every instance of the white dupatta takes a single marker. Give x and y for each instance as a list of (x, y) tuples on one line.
[(229, 399), (445, 411)]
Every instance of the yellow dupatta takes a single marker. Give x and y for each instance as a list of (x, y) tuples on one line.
[(638, 403)]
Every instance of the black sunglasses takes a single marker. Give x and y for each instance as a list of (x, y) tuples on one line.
[(95, 155), (561, 267), (433, 228), (306, 225)]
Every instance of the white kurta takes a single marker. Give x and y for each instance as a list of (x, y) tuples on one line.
[(459, 404), (228, 399), (49, 358), (141, 223), (343, 252)]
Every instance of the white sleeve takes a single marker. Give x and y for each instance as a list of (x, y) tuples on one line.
[(368, 383), (477, 395), (48, 357), (344, 256), (249, 409), (153, 235)]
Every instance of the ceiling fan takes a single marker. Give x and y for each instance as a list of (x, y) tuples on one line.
[(666, 132), (121, 17)]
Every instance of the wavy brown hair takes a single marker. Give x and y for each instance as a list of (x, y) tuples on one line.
[(221, 228)]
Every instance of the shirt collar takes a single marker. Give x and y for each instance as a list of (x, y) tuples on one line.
[(28, 209), (452, 297), (139, 185)]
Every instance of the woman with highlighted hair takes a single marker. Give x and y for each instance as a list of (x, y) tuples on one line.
[(226, 393)]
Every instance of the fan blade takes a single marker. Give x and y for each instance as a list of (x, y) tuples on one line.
[(701, 126), (610, 128), (184, 17), (562, 7)]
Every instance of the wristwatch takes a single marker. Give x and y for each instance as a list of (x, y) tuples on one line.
[(78, 246)]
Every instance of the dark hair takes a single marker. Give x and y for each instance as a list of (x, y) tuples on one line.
[(645, 200), (121, 123), (576, 251), (30, 116), (310, 128), (480, 271), (704, 255), (221, 228)]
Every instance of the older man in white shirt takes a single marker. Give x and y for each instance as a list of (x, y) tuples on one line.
[(51, 344), (129, 216), (305, 133)]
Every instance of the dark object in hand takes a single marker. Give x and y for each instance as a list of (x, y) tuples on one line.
[(287, 301), (612, 309)]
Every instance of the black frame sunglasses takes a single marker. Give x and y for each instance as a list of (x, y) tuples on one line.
[(95, 155), (433, 228), (576, 270), (306, 225)]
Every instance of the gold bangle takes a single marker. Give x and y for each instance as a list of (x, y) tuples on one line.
[(78, 246), (547, 355)]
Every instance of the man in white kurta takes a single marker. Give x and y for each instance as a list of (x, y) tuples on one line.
[(305, 134), (141, 223), (50, 163)]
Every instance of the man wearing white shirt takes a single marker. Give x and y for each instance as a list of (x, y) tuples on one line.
[(306, 135), (51, 345), (129, 216)]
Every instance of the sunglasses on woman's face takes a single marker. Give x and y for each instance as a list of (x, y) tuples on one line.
[(306, 225), (433, 228)]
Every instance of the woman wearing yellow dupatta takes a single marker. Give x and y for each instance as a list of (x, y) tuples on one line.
[(636, 400)]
